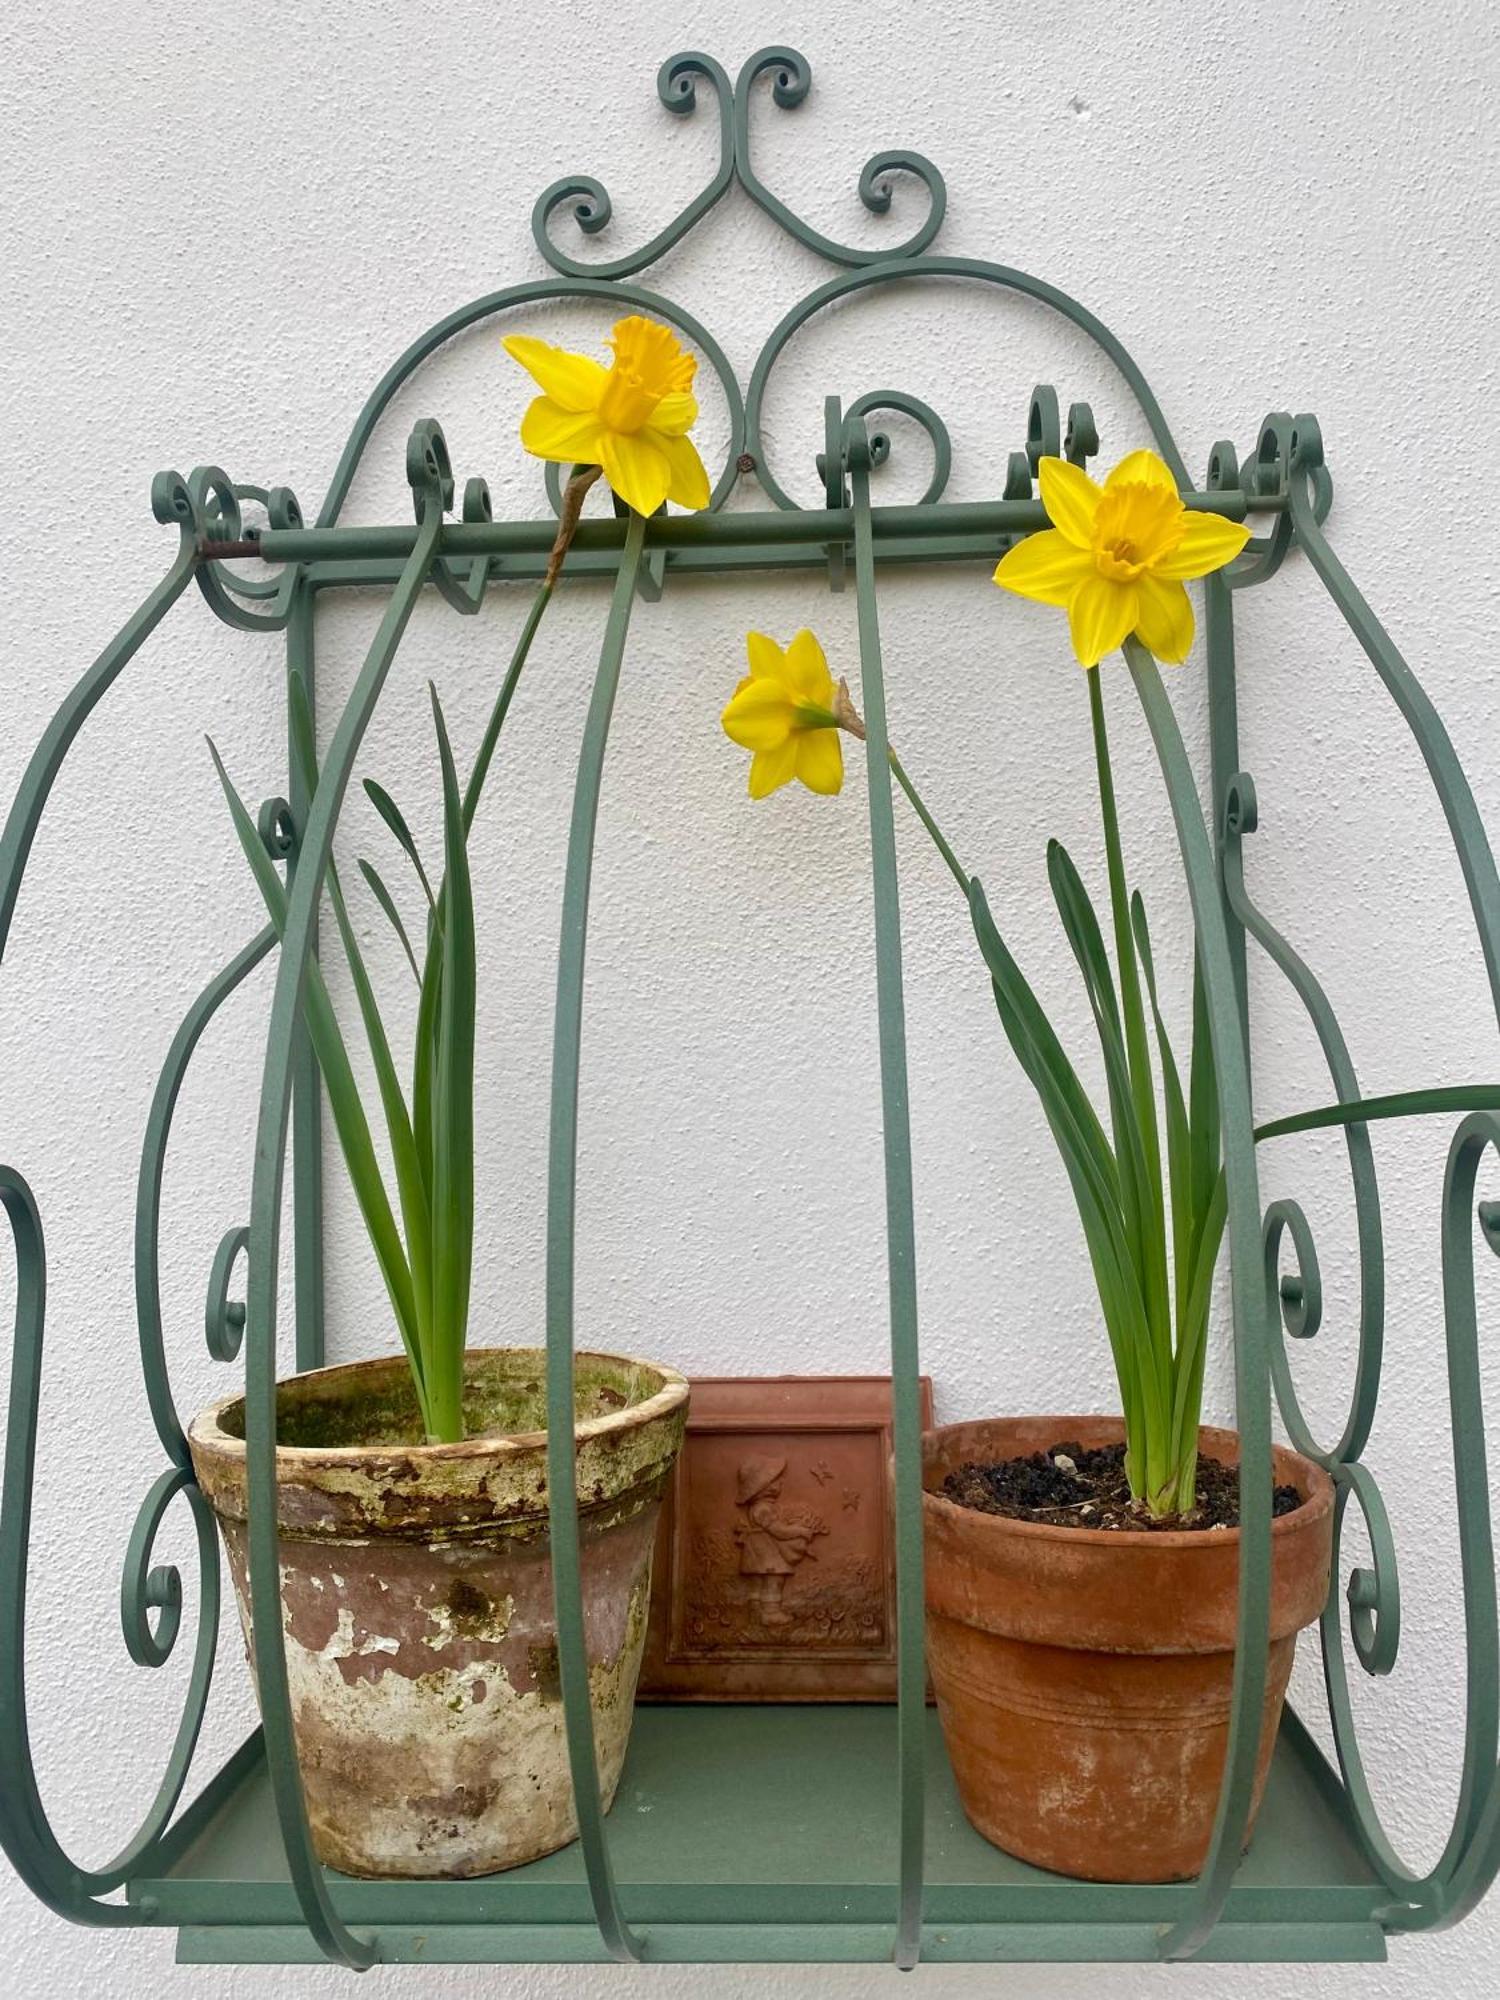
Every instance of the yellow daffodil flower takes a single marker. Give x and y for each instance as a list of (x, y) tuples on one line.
[(1116, 556), (785, 710), (631, 419)]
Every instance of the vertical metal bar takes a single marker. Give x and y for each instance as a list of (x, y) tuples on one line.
[(1252, 1305), (307, 1084), (901, 1251), (1224, 760), (562, 1206), (328, 1930)]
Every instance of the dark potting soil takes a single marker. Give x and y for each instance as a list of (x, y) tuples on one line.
[(1069, 1487)]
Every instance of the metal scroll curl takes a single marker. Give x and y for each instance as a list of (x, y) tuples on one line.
[(791, 75), (149, 1191), (251, 604), (1301, 1319), (147, 1588), (1287, 448), (677, 86), (1471, 1855)]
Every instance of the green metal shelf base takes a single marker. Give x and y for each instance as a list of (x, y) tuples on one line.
[(766, 1833)]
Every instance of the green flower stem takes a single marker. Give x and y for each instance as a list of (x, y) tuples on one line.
[(1152, 1467), (577, 487), (955, 868), (491, 735)]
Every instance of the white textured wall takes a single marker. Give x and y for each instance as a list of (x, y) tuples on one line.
[(220, 226)]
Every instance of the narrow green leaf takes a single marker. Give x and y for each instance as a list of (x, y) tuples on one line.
[(424, 1056), (1099, 1214), (1192, 1332), (410, 1189), (344, 1101), (391, 813), (303, 733), (1086, 941), (387, 903), (1130, 992), (1179, 1136), (262, 867), (1203, 1097), (1092, 1172), (1038, 1050), (1140, 1197), (453, 1099), (1400, 1104)]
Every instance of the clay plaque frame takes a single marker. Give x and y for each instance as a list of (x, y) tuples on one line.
[(774, 1576)]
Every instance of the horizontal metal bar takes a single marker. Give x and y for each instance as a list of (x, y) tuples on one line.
[(812, 528), (802, 1944), (752, 559)]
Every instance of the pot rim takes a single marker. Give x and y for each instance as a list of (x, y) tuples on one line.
[(206, 1431), (1318, 1502)]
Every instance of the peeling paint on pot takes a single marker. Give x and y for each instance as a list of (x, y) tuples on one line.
[(416, 1599)]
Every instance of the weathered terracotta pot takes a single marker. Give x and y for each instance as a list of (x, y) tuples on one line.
[(1083, 1675), (416, 1588)]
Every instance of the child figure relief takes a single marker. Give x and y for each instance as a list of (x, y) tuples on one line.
[(772, 1539)]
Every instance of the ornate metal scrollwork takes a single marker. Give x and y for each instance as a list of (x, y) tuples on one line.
[(1275, 1257), (677, 84)]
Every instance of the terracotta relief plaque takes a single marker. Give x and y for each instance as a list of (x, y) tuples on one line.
[(775, 1571)]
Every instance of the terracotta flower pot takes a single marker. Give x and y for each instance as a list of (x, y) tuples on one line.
[(1083, 1675), (416, 1598)]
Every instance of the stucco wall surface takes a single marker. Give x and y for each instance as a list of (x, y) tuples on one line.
[(219, 228)]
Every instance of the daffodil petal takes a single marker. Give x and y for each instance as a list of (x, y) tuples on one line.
[(1142, 466), (1071, 499), (759, 716), (635, 468), (820, 760), (806, 670), (689, 482), (1208, 542), (1046, 567), (771, 769), (572, 381), (675, 413), (767, 661), (1164, 622), (1100, 614), (549, 431)]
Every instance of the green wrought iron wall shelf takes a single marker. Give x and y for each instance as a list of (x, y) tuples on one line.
[(877, 1860)]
